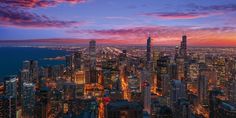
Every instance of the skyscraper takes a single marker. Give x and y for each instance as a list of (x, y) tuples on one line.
[(92, 53), (146, 86), (202, 85), (162, 70), (34, 73), (92, 60), (231, 89), (77, 60), (177, 91), (69, 65), (11, 86), (28, 100), (149, 53), (32, 67), (183, 47), (7, 106)]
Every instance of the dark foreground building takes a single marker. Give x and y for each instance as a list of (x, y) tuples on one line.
[(124, 109)]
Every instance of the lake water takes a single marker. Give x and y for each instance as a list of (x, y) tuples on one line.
[(11, 58)]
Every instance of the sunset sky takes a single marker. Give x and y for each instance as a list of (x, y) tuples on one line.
[(205, 22)]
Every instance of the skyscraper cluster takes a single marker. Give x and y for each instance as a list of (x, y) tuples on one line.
[(125, 82)]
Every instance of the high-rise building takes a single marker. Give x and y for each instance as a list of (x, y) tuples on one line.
[(177, 91), (69, 90), (180, 68), (28, 99), (69, 65), (165, 84), (25, 76), (183, 47), (11, 86), (214, 102), (231, 90), (77, 60), (146, 87), (32, 67), (34, 73), (26, 65), (7, 106), (162, 70), (80, 77), (202, 84), (41, 107), (92, 60), (149, 50), (92, 53)]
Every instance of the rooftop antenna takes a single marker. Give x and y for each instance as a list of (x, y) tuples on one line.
[(149, 34), (183, 33)]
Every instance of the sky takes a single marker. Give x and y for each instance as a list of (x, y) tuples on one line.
[(205, 22)]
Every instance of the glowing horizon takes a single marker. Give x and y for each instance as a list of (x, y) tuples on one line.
[(209, 23)]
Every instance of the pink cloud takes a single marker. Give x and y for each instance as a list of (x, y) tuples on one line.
[(37, 3), (164, 35), (181, 15)]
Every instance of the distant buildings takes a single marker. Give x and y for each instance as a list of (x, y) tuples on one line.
[(124, 83)]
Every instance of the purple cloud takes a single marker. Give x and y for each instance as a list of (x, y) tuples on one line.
[(16, 17), (178, 15), (196, 12), (37, 3)]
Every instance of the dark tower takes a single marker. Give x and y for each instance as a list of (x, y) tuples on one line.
[(183, 46), (148, 56)]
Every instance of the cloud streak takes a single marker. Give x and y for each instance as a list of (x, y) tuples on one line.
[(195, 12), (37, 3), (178, 15), (17, 17)]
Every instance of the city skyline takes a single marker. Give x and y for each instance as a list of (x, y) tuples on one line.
[(208, 23)]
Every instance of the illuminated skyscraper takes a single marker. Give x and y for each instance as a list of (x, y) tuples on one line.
[(180, 68), (11, 86)]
